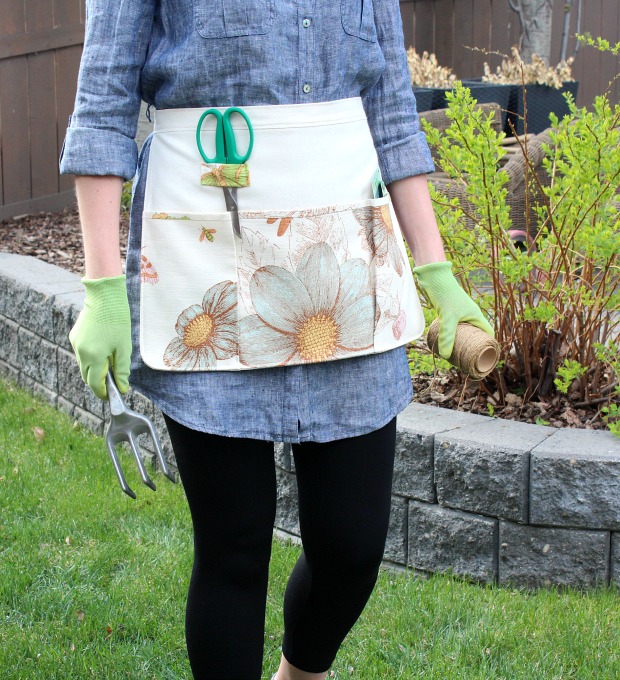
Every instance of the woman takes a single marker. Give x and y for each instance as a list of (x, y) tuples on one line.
[(292, 328)]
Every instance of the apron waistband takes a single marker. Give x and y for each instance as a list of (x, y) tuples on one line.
[(270, 116)]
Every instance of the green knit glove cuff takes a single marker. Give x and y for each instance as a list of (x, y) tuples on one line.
[(436, 278), (107, 299)]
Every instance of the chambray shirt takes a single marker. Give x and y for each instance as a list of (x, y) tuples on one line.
[(201, 53)]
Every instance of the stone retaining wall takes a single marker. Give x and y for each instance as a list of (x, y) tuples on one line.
[(492, 500)]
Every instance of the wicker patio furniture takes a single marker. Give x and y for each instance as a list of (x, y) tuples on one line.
[(514, 163)]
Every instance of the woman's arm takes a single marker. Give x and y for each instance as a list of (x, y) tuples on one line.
[(100, 137), (99, 202), (414, 210), (390, 104), (416, 217), (100, 150), (101, 336)]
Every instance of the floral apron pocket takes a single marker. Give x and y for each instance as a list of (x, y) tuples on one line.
[(188, 292), (300, 286)]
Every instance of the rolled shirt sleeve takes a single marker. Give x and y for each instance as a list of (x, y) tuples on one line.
[(102, 128), (390, 104)]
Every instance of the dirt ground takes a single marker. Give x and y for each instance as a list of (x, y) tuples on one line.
[(56, 238)]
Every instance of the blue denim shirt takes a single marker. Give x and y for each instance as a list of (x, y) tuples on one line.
[(200, 53)]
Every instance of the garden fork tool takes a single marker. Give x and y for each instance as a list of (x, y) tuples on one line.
[(125, 425)]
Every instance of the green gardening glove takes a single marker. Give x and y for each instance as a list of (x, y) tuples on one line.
[(101, 337), (451, 302)]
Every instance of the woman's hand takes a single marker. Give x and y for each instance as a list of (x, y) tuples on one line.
[(451, 303), (414, 210), (101, 336)]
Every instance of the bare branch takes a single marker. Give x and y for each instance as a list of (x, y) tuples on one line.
[(568, 4), (578, 31)]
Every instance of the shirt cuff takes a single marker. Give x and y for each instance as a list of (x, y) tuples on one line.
[(405, 158), (92, 151)]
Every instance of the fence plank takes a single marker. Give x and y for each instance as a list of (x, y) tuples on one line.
[(43, 128), (68, 12), (41, 104), (610, 29), (444, 31), (556, 30), (39, 15), (15, 137), (1, 164), (13, 18), (67, 66), (40, 41), (589, 81), (52, 203), (463, 37), (482, 21), (424, 36), (501, 21), (407, 16)]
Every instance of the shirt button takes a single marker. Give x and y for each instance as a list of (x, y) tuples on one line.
[(306, 23), (306, 88)]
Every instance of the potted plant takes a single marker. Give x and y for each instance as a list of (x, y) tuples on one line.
[(429, 79), (536, 87), (431, 82)]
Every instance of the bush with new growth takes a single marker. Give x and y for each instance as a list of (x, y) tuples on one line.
[(555, 304)]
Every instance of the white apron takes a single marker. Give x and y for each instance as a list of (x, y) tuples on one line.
[(320, 271)]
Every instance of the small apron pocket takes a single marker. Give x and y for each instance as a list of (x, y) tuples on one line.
[(399, 316), (188, 292)]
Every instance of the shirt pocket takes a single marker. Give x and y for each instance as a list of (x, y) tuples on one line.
[(358, 19), (233, 18)]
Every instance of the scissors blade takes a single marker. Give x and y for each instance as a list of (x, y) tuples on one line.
[(230, 196)]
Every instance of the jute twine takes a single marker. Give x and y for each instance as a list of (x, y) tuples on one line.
[(475, 352)]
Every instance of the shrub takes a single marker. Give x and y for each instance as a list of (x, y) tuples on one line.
[(556, 303)]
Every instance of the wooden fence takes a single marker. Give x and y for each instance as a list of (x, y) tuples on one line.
[(449, 27), (40, 47)]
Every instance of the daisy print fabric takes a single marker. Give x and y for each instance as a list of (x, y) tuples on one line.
[(301, 286)]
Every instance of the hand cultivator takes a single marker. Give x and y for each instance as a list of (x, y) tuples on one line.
[(125, 425)]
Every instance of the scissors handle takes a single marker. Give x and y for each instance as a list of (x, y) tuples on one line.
[(225, 143)]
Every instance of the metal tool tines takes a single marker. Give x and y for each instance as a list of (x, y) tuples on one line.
[(126, 425)]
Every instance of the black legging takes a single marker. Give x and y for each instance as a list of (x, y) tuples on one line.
[(344, 506)]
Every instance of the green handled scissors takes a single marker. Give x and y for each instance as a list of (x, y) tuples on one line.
[(226, 152)]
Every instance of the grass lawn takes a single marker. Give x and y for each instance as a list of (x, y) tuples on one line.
[(93, 584)]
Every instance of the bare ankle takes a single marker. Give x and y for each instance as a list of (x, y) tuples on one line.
[(289, 672)]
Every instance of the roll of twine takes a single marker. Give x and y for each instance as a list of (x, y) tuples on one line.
[(475, 352)]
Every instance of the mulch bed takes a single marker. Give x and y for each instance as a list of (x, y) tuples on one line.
[(56, 238), (449, 391), (53, 237)]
